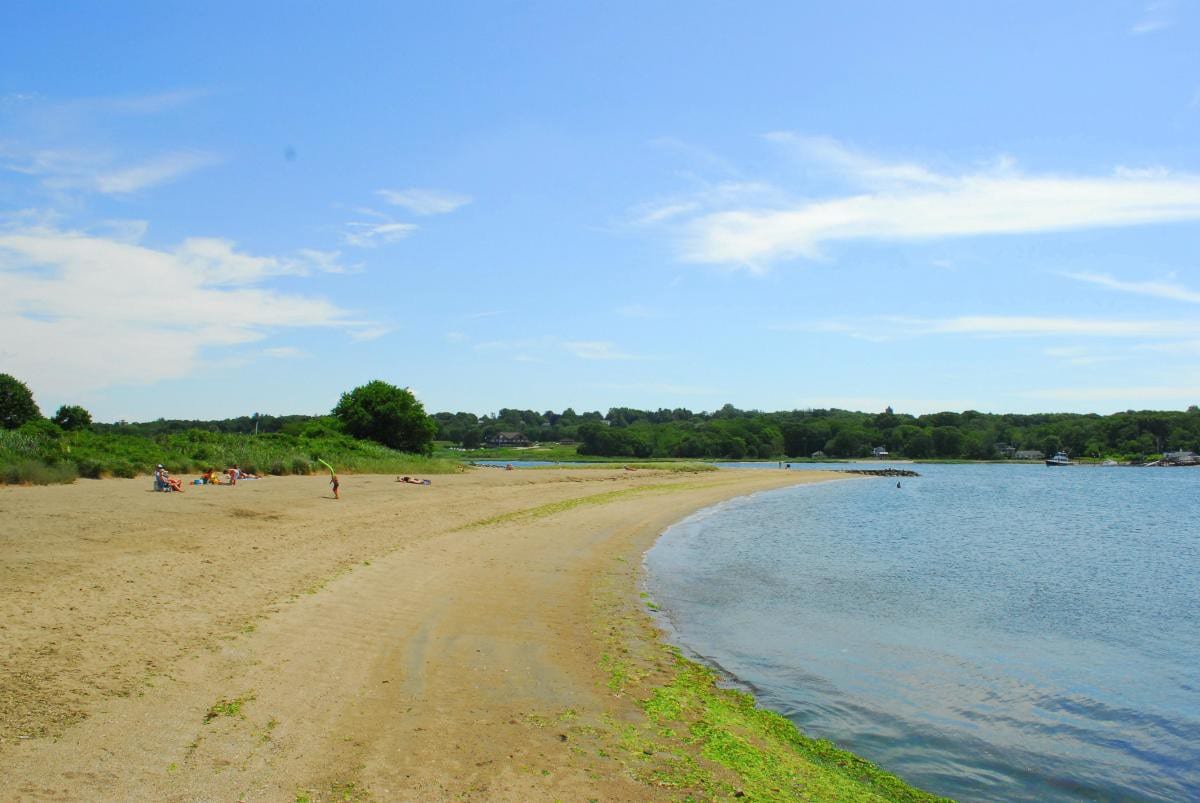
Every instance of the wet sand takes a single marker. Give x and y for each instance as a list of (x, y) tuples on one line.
[(266, 642)]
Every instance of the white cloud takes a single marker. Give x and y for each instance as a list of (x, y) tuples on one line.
[(369, 235), (906, 201), (90, 312), (1156, 289), (425, 202)]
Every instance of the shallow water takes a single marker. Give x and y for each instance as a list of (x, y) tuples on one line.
[(985, 631)]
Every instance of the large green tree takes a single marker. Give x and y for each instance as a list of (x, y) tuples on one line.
[(389, 415), (16, 403), (72, 416)]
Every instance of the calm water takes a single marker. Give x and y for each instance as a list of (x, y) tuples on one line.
[(986, 632)]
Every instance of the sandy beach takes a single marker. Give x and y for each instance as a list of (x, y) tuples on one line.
[(265, 642)]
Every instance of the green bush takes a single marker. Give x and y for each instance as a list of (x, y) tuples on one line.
[(89, 469)]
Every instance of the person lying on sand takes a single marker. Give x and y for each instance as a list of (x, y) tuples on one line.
[(413, 481)]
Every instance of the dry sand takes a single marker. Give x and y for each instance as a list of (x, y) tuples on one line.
[(266, 642)]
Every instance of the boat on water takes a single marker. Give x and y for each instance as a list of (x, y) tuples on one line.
[(1059, 459)]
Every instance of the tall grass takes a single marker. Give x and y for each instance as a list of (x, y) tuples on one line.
[(64, 456)]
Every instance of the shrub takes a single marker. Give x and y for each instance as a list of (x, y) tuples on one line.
[(89, 469)]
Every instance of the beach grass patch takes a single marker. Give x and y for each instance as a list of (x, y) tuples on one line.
[(228, 707)]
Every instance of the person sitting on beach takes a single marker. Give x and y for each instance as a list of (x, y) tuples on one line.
[(210, 477), (170, 482), (160, 483)]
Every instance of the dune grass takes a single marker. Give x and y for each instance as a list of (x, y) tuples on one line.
[(44, 454)]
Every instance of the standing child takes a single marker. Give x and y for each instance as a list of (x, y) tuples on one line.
[(333, 482)]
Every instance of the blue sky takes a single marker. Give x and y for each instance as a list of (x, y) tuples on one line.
[(220, 209)]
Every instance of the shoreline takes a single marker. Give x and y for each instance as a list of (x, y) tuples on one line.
[(482, 637)]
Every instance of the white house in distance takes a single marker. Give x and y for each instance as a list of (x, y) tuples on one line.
[(879, 453)]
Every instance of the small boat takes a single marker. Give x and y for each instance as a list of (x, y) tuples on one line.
[(1059, 459), (1110, 463)]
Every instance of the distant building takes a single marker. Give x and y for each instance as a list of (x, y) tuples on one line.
[(879, 452), (1180, 459), (1029, 454), (1005, 450), (818, 455), (508, 439)]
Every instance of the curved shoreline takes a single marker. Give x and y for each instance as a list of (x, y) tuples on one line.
[(480, 638)]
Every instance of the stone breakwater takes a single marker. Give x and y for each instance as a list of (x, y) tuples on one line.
[(878, 472)]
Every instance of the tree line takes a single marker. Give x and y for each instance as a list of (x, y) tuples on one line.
[(392, 417), (730, 433)]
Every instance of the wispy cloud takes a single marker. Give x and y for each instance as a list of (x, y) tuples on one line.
[(1155, 17), (362, 234), (99, 171), (91, 312), (1155, 289), (898, 201), (425, 201), (705, 198)]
